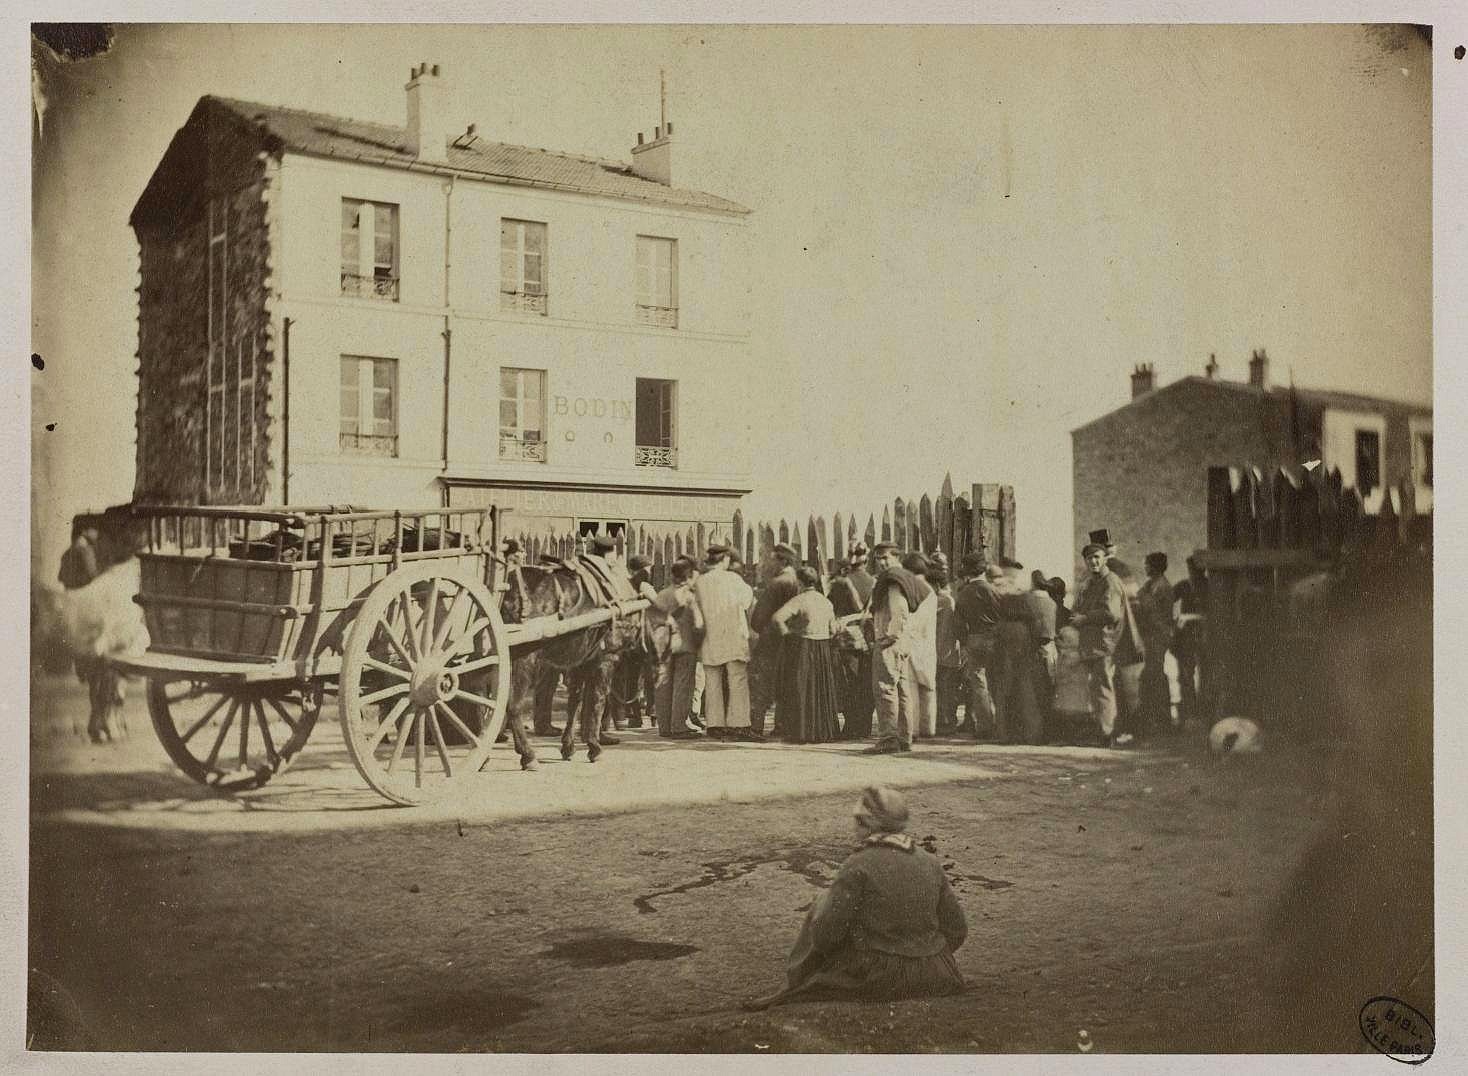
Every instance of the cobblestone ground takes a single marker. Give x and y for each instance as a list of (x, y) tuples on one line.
[(630, 905)]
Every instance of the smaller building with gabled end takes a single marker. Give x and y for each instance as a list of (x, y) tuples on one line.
[(1141, 471)]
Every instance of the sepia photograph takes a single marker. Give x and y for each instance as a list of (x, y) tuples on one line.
[(733, 537)]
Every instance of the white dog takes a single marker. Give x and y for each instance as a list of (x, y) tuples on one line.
[(1235, 736)]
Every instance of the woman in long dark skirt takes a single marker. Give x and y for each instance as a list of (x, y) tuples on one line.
[(887, 927), (806, 705)]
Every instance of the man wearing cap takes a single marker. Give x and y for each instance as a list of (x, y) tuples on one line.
[(976, 610), (850, 594), (1098, 617), (895, 599), (922, 645), (678, 638), (724, 601), (949, 647), (642, 671)]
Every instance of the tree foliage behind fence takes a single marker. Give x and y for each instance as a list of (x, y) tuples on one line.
[(956, 524)]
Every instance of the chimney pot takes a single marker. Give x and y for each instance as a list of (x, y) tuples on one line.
[(639, 138), (435, 70), (1259, 369), (669, 128), (1142, 379)]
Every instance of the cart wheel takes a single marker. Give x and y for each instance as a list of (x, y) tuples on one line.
[(232, 735), (424, 682)]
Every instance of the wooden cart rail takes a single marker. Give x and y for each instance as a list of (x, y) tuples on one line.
[(165, 666)]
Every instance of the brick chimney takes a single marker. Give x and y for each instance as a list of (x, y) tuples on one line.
[(1259, 370), (428, 129), (1142, 380), (1211, 370)]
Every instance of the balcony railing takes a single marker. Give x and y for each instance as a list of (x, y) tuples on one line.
[(515, 447), (656, 456), (369, 444), (665, 316), (370, 287), (523, 302)]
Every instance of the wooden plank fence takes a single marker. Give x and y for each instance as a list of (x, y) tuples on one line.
[(954, 523), (1292, 556)]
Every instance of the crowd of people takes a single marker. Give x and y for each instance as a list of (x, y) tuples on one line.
[(903, 647)]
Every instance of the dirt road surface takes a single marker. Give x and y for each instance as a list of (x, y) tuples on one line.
[(630, 905)]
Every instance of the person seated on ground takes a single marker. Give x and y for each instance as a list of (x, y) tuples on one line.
[(888, 926)]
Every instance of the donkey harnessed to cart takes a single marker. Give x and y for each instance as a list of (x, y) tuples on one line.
[(590, 657)]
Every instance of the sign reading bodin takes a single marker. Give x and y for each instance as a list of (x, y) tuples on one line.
[(592, 407)]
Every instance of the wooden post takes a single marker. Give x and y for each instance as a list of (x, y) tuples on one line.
[(1220, 509), (784, 532), (984, 526), (1265, 509), (870, 535), (914, 532), (748, 544), (944, 521), (963, 528), (838, 538), (1007, 522), (927, 525), (886, 523), (899, 524)]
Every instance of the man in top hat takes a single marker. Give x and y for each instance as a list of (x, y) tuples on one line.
[(895, 599), (780, 586), (1129, 659), (850, 594), (724, 601), (1099, 616)]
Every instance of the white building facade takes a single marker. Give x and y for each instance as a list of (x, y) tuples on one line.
[(567, 339)]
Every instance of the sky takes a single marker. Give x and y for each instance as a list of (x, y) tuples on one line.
[(965, 237)]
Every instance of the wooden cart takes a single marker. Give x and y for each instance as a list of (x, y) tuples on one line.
[(257, 615)]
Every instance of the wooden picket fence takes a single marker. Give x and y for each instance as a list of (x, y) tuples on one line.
[(955, 524), (1296, 567), (1305, 512)]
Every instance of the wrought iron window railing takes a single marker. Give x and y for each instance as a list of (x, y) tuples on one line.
[(515, 447), (523, 302), (369, 444), (656, 456), (370, 287), (665, 316)]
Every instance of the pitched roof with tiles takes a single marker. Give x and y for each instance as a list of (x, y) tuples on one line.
[(317, 134)]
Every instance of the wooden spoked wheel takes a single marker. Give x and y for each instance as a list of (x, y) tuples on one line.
[(229, 734), (424, 683)]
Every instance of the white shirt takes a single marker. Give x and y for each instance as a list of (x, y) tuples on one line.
[(920, 639), (724, 600)]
